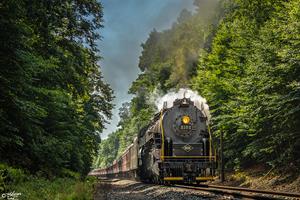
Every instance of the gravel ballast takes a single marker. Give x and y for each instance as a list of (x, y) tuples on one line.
[(133, 190)]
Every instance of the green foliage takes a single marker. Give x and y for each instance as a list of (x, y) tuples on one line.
[(53, 101), (10, 176), (251, 79), (169, 58), (57, 189), (132, 120), (108, 147), (70, 187)]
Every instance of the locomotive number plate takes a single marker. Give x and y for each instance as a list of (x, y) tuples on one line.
[(185, 127)]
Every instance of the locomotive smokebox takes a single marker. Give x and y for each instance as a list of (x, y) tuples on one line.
[(188, 167)]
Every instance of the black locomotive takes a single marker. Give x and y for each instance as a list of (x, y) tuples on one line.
[(176, 146)]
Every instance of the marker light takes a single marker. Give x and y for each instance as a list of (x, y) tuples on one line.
[(186, 119)]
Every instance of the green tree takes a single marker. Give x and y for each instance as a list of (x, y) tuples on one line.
[(250, 78), (53, 99)]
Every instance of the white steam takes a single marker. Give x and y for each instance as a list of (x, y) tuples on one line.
[(170, 97)]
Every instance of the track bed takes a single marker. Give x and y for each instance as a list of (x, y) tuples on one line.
[(114, 189)]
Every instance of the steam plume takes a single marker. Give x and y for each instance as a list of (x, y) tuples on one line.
[(170, 97)]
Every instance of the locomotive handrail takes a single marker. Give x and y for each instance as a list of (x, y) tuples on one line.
[(162, 136), (209, 157), (210, 147)]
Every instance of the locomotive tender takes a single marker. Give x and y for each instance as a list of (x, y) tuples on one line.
[(176, 146)]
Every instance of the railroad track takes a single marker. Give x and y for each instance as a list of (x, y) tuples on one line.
[(238, 192), (243, 192)]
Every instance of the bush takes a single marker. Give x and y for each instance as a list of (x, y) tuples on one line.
[(58, 189), (10, 176), (36, 187)]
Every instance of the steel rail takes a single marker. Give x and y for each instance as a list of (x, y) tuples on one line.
[(242, 192), (287, 194)]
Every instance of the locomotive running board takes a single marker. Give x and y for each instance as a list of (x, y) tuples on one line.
[(208, 178), (173, 178), (211, 158)]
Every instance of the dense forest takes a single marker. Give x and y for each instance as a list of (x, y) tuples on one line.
[(53, 100), (243, 57), (251, 77)]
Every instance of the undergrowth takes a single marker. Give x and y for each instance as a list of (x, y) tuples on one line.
[(25, 186)]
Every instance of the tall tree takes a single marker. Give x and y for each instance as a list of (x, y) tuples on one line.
[(250, 78), (53, 99)]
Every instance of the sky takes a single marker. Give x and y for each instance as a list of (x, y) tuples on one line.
[(127, 24)]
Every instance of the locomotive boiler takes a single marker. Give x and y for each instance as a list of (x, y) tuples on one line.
[(177, 145)]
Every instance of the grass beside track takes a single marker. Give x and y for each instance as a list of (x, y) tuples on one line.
[(17, 185), (57, 189)]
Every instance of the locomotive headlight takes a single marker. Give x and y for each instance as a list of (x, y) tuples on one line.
[(186, 119)]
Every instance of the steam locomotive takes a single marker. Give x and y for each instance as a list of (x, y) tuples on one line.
[(176, 146)]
